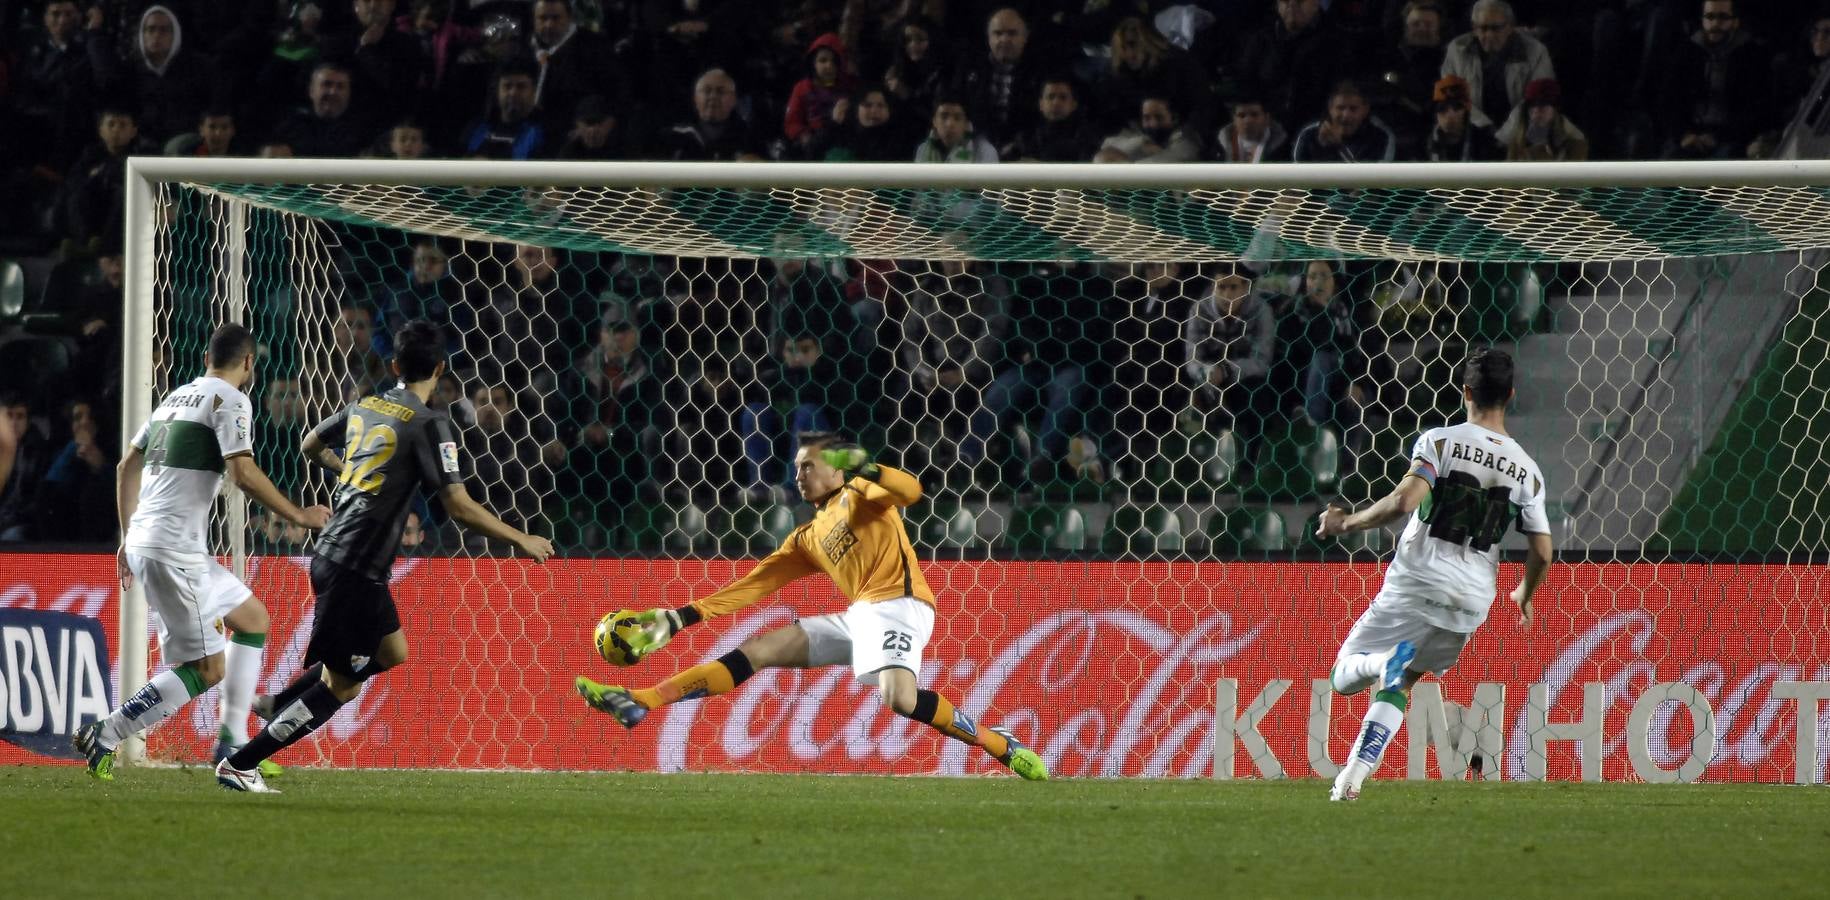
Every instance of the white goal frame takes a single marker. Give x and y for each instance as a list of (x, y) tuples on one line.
[(145, 174)]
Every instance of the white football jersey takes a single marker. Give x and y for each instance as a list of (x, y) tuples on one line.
[(193, 431), (1481, 482)]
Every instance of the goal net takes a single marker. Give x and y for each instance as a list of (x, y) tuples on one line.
[(1127, 392)]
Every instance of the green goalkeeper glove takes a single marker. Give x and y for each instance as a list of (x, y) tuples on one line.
[(658, 627), (850, 459)]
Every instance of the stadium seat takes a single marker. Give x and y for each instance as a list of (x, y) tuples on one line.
[(12, 291), (1247, 532), (1144, 532), (1047, 529), (34, 363), (1297, 462)]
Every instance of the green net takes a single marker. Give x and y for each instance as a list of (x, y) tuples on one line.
[(1135, 374)]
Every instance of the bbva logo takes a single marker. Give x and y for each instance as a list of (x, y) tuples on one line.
[(54, 678)]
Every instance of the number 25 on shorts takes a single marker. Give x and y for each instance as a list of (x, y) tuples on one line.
[(897, 641)]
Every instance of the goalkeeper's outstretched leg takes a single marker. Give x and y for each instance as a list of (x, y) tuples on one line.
[(857, 538)]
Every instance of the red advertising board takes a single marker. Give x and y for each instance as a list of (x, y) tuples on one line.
[(1108, 669)]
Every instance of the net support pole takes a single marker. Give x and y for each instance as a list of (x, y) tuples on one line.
[(235, 294), (136, 400)]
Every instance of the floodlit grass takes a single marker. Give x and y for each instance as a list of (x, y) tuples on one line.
[(455, 834)]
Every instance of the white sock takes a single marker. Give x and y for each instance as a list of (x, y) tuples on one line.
[(242, 664), (1381, 725), (165, 694), (1356, 672)]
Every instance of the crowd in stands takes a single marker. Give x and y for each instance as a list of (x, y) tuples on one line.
[(639, 379)]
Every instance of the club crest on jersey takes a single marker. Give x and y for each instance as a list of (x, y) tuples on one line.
[(357, 663), (447, 455), (241, 427)]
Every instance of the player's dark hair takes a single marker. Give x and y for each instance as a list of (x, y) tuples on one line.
[(818, 440), (1488, 373), (419, 347), (228, 344)]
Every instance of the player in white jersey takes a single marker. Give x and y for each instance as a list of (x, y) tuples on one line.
[(1466, 485), (165, 488)]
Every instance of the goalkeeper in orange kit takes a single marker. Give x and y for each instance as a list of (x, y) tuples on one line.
[(857, 538)]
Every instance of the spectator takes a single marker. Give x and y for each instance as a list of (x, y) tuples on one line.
[(953, 139), (533, 325), (470, 78), (716, 133), (865, 129), (1058, 331), (326, 127), (617, 392), (355, 370), (1144, 65), (1229, 341), (1461, 134), (505, 449), (701, 426), (1252, 136), (288, 417), (94, 193), (24, 457), (807, 298), (1315, 336), (810, 393), (274, 150), (596, 132), (997, 87), (1497, 60), (919, 72), (953, 332), (428, 292), (406, 140), (215, 136), (810, 106), (76, 500), (170, 87), (1064, 132), (1409, 69), (1348, 133), (1793, 75), (1296, 57), (1146, 394), (511, 130), (571, 63), (389, 69), (1717, 93), (59, 70), (450, 400), (1539, 131), (1158, 136), (440, 37)]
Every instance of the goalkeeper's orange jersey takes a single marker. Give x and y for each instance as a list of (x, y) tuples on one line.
[(856, 537)]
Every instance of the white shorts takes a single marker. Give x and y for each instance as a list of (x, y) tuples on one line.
[(189, 601), (1380, 628), (872, 636)]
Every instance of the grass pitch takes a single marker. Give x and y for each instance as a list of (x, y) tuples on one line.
[(450, 834)]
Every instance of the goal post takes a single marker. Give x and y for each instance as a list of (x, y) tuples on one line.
[(1098, 469)]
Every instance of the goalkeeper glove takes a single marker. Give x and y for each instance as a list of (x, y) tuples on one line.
[(658, 627), (850, 459)]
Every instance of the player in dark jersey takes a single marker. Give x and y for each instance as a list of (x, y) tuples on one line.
[(392, 445)]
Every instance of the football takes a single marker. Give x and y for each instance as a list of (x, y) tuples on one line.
[(613, 633)]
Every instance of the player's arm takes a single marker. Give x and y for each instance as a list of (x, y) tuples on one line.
[(248, 476), (471, 514), (126, 500), (320, 453), (775, 570), (882, 485), (1402, 501), (1538, 555)]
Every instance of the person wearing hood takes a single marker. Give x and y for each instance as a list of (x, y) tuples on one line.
[(864, 128), (1158, 136), (170, 86), (1716, 97), (810, 105)]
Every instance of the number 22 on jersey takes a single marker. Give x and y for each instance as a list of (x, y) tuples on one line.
[(365, 451)]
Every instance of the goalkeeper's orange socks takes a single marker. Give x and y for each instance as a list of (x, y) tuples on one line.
[(937, 712), (720, 676)]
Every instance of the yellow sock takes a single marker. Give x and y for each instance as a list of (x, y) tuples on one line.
[(720, 676), (937, 712)]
